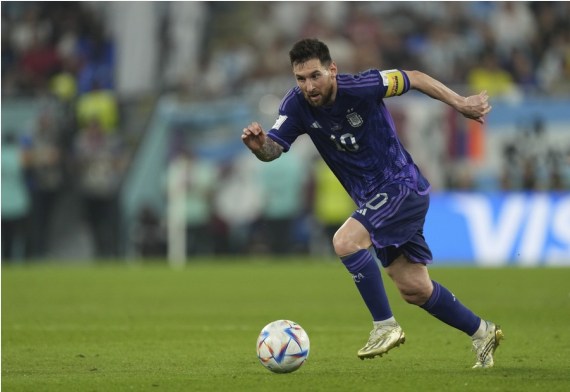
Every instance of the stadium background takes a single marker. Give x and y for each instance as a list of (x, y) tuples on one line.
[(121, 125)]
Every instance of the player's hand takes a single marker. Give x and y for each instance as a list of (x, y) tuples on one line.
[(253, 136), (476, 107)]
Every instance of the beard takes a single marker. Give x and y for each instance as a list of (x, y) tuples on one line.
[(324, 98)]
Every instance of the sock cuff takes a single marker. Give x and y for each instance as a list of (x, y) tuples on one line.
[(434, 296), (357, 260)]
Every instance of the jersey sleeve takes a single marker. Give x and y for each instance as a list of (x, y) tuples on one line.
[(394, 82), (287, 126)]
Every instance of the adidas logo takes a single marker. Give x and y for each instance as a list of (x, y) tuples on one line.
[(316, 125), (362, 211)]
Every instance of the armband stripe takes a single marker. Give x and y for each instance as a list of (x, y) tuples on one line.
[(406, 82)]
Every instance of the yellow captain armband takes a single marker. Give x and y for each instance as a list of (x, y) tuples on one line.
[(394, 81)]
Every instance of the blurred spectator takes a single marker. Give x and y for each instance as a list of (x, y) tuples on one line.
[(442, 52), (361, 26), (15, 198), (100, 165), (530, 164), (100, 104), (363, 29), (200, 180), (9, 60), (490, 76), (521, 67), (268, 68), (38, 63), (229, 67), (63, 86), (513, 26), (46, 177), (28, 25), (96, 56), (317, 26), (238, 203), (185, 30), (331, 204), (554, 67), (149, 234), (511, 175), (283, 185)]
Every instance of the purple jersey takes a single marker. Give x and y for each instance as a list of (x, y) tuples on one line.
[(356, 136)]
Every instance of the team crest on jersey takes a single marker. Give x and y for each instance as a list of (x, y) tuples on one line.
[(354, 119)]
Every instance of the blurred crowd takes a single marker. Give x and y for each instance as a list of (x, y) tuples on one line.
[(64, 55), (68, 47), (505, 47), (57, 57)]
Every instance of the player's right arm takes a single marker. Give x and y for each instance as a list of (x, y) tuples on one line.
[(263, 147)]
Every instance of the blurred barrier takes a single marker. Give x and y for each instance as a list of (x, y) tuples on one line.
[(495, 229)]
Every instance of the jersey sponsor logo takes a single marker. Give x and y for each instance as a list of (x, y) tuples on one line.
[(354, 119), (280, 120)]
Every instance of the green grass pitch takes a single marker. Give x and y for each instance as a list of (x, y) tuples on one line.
[(146, 327)]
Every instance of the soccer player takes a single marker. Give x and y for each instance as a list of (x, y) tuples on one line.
[(347, 120)]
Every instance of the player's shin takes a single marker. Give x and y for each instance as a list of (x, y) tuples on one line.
[(368, 280)]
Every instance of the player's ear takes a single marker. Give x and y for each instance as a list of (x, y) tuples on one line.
[(333, 70)]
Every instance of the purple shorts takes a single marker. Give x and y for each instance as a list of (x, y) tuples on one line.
[(395, 220)]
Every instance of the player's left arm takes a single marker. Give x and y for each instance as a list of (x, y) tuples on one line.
[(263, 147), (474, 107)]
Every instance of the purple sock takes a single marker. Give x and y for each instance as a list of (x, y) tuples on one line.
[(366, 275), (443, 305)]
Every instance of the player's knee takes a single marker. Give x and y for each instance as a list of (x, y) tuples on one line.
[(343, 245)]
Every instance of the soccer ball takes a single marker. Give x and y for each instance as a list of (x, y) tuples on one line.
[(283, 346)]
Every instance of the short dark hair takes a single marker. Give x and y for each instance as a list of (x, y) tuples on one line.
[(308, 49)]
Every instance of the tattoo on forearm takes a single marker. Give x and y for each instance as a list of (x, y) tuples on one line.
[(269, 151)]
